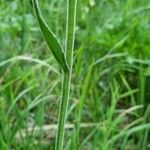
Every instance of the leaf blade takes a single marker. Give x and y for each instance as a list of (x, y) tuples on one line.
[(50, 38)]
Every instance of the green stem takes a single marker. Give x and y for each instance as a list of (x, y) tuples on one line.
[(70, 34), (63, 111)]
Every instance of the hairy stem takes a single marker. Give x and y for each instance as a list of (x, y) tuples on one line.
[(70, 34)]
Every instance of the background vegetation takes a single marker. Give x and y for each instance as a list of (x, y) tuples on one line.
[(111, 96)]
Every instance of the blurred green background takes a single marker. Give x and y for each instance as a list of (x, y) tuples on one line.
[(112, 34)]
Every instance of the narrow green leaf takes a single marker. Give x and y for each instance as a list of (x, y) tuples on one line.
[(50, 38)]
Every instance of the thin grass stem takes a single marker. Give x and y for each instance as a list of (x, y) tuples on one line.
[(70, 35)]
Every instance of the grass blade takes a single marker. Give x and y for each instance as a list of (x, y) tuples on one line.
[(50, 38)]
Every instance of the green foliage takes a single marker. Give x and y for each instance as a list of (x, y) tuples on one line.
[(114, 36), (50, 38)]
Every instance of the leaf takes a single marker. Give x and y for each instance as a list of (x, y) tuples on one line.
[(50, 38)]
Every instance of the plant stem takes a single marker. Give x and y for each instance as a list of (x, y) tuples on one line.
[(63, 111), (70, 34)]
